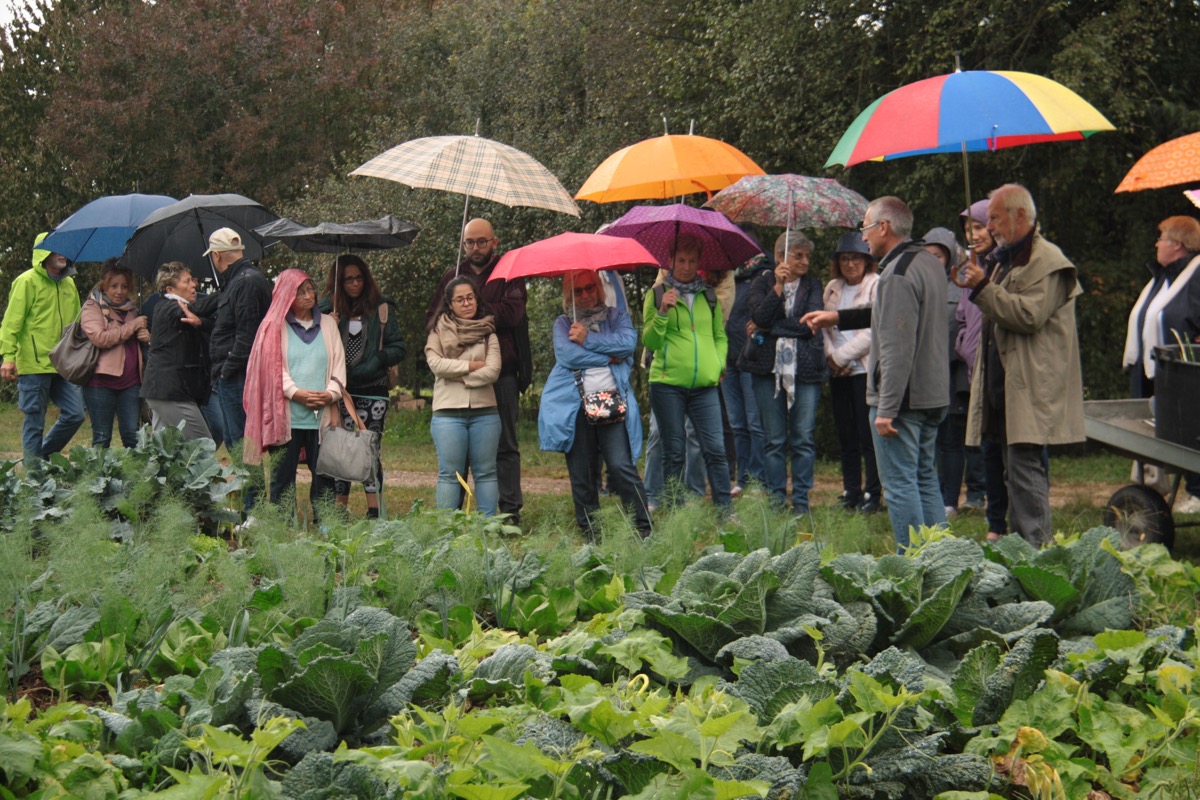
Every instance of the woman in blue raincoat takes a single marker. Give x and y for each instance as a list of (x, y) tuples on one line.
[(593, 351)]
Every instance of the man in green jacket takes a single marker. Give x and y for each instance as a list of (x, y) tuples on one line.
[(687, 335), (42, 302)]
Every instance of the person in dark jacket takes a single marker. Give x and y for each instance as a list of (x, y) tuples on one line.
[(506, 299), (176, 381), (373, 345), (788, 367), (737, 387), (1168, 306), (241, 305)]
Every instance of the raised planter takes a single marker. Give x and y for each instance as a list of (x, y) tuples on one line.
[(1176, 397)]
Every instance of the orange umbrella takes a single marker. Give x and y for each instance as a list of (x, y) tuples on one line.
[(667, 166), (1171, 163)]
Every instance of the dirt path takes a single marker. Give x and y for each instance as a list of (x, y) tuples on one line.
[(1095, 493)]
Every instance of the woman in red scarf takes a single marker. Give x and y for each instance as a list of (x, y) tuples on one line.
[(294, 381)]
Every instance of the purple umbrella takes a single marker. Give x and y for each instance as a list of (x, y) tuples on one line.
[(655, 227)]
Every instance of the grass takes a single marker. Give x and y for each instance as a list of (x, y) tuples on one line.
[(548, 514)]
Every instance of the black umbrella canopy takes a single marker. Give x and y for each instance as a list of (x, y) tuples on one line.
[(384, 233), (180, 231)]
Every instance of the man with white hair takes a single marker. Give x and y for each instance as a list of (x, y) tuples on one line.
[(240, 307), (1027, 391)]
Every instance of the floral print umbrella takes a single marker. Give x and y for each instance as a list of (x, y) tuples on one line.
[(792, 201)]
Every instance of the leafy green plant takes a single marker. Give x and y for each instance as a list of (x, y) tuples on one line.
[(87, 668)]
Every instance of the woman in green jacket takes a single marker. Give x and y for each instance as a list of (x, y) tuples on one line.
[(684, 328), (373, 345)]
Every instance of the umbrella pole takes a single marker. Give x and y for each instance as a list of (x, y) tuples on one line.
[(966, 177), (457, 260)]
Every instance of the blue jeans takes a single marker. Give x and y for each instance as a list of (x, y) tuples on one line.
[(233, 413), (702, 405), (787, 430), (693, 469), (908, 470), (34, 394), (214, 418), (467, 442), (285, 462), (104, 404), (748, 435)]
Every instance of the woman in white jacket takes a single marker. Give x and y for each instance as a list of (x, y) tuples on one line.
[(852, 286)]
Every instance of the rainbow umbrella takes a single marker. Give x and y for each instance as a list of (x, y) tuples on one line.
[(967, 112)]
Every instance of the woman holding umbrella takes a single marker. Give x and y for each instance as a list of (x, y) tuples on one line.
[(373, 344), (788, 365), (111, 321), (593, 350)]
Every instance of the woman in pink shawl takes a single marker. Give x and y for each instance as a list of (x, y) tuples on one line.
[(294, 382)]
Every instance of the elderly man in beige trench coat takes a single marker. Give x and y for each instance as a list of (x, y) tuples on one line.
[(1027, 391)]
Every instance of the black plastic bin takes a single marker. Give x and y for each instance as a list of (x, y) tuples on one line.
[(1177, 397)]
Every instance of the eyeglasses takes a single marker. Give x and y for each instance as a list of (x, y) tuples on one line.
[(469, 244), (463, 299), (865, 228), (582, 290), (1164, 239), (353, 279), (307, 289)]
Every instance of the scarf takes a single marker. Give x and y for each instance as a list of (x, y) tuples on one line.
[(268, 420), (785, 347), (456, 335), (748, 269), (591, 318), (695, 286), (107, 306)]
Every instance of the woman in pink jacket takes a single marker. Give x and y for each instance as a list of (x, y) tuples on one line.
[(110, 319)]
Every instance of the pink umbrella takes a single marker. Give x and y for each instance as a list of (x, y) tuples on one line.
[(567, 252)]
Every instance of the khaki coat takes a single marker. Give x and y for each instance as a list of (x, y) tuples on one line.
[(1033, 307)]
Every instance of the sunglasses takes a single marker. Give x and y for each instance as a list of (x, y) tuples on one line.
[(580, 291)]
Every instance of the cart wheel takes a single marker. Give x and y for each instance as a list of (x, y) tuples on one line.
[(1141, 515)]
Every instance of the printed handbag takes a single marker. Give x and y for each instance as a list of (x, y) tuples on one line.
[(75, 356), (603, 407), (348, 455)]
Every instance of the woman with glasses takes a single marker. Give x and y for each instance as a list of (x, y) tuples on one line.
[(464, 355), (294, 380), (1169, 306), (373, 345), (853, 284), (593, 351)]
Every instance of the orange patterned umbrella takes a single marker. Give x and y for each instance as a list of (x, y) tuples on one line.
[(1169, 164)]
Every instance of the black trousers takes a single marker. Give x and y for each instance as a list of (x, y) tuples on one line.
[(610, 443), (508, 454), (285, 461), (850, 416)]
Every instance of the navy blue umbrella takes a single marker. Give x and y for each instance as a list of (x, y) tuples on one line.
[(99, 230)]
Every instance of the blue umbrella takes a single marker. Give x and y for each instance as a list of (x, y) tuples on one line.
[(99, 230)]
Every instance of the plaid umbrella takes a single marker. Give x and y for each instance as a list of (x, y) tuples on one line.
[(790, 201), (656, 228), (473, 166)]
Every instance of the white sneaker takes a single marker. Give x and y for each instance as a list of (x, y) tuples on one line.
[(735, 491), (951, 512), (1189, 506), (245, 526)]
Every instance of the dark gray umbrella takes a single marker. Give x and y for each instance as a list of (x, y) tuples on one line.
[(180, 231), (384, 233)]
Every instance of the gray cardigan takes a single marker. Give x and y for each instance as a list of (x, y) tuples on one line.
[(909, 359)]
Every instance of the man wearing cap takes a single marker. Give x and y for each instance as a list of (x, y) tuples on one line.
[(241, 304), (908, 377), (43, 300), (506, 300), (1027, 390)]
